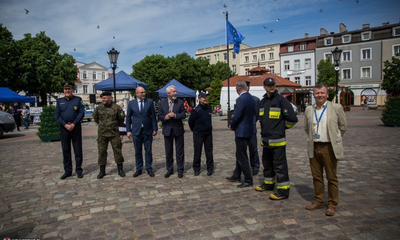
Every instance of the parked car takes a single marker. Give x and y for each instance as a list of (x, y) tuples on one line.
[(295, 108), (7, 123), (89, 109)]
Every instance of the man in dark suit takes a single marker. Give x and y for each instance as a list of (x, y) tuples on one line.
[(242, 124), (253, 143), (171, 112), (141, 124)]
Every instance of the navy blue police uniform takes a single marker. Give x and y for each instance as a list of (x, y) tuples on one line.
[(70, 111), (200, 125)]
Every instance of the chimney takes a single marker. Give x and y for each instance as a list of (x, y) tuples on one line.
[(332, 33), (323, 32), (365, 26), (306, 35), (383, 24), (342, 28)]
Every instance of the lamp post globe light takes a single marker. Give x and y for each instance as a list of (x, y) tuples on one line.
[(113, 55), (336, 58)]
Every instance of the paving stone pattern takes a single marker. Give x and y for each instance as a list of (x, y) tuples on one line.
[(35, 203)]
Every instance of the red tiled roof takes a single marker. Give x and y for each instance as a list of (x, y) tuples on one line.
[(258, 80), (259, 69), (307, 39)]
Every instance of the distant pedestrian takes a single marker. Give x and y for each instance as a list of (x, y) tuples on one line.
[(365, 102), (201, 126), (25, 116), (109, 117), (122, 129), (1, 107), (17, 115), (69, 113)]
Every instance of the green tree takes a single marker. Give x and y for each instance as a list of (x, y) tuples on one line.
[(215, 92), (8, 57), (327, 75), (391, 77)]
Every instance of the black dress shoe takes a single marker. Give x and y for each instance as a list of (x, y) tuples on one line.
[(243, 185), (65, 175), (180, 175), (80, 175), (197, 173), (255, 172), (209, 173), (137, 173), (168, 174), (151, 174), (233, 179)]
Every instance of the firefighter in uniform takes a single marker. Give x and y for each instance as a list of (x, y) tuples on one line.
[(200, 124), (109, 116), (69, 113), (276, 115)]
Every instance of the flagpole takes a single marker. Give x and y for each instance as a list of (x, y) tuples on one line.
[(227, 60)]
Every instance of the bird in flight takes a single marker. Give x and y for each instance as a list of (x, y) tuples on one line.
[(265, 27), (74, 49), (225, 6), (114, 37), (278, 19), (248, 19), (26, 11), (321, 10), (98, 26), (357, 1), (271, 31)]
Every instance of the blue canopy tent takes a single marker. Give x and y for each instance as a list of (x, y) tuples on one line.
[(123, 82), (182, 90), (8, 96)]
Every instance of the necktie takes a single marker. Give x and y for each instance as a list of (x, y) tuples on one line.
[(141, 106), (170, 106)]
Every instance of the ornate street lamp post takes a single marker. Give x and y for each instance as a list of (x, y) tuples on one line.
[(336, 58), (113, 55)]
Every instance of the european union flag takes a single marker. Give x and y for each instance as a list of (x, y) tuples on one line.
[(233, 36)]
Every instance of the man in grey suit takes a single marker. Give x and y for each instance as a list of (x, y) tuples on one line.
[(171, 112), (141, 124), (325, 124)]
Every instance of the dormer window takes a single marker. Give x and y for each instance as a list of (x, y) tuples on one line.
[(346, 38), (396, 31), (328, 41), (365, 36), (290, 48)]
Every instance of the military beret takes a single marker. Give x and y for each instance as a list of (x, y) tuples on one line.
[(105, 93), (67, 85)]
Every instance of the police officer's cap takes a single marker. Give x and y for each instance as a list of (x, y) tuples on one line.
[(248, 83), (203, 94), (105, 93), (269, 81), (67, 85)]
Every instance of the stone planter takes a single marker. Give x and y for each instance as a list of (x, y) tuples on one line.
[(50, 138)]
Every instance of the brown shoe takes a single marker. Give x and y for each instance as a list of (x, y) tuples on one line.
[(314, 206), (330, 211)]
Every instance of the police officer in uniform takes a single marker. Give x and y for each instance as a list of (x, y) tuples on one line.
[(109, 116), (276, 115), (200, 124), (69, 113)]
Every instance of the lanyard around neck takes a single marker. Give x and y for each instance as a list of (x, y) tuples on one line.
[(320, 117)]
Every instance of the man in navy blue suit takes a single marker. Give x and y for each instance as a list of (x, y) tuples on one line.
[(141, 124), (171, 112), (242, 124)]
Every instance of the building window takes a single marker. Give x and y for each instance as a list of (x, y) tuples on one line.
[(263, 56), (346, 73), (303, 47), (396, 31), (328, 41), (346, 56), (366, 54), (84, 75), (365, 36), (308, 80), (224, 56), (93, 89), (290, 48), (209, 58), (396, 50), (94, 75), (366, 72), (254, 58), (103, 75), (297, 80), (216, 57), (346, 38), (233, 55), (307, 63), (296, 64), (271, 69), (246, 59), (286, 63), (328, 55), (76, 90), (271, 55), (234, 68), (246, 71), (85, 89)]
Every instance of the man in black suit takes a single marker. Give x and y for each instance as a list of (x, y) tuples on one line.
[(253, 143), (171, 112), (242, 124), (141, 125)]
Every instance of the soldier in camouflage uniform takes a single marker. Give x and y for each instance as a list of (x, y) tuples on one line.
[(109, 116)]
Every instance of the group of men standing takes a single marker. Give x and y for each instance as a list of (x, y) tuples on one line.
[(274, 112)]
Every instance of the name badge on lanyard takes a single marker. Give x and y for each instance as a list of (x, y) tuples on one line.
[(316, 135)]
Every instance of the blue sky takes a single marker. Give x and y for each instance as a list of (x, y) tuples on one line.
[(170, 27)]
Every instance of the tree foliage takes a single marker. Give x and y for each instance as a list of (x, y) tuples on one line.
[(197, 74), (215, 92), (35, 65), (391, 77), (327, 75)]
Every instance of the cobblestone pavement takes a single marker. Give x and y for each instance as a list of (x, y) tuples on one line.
[(35, 203)]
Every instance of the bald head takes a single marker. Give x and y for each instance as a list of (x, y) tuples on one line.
[(140, 93)]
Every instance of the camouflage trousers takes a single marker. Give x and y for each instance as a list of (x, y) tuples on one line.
[(102, 145)]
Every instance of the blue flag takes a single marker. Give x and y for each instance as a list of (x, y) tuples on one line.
[(233, 36)]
